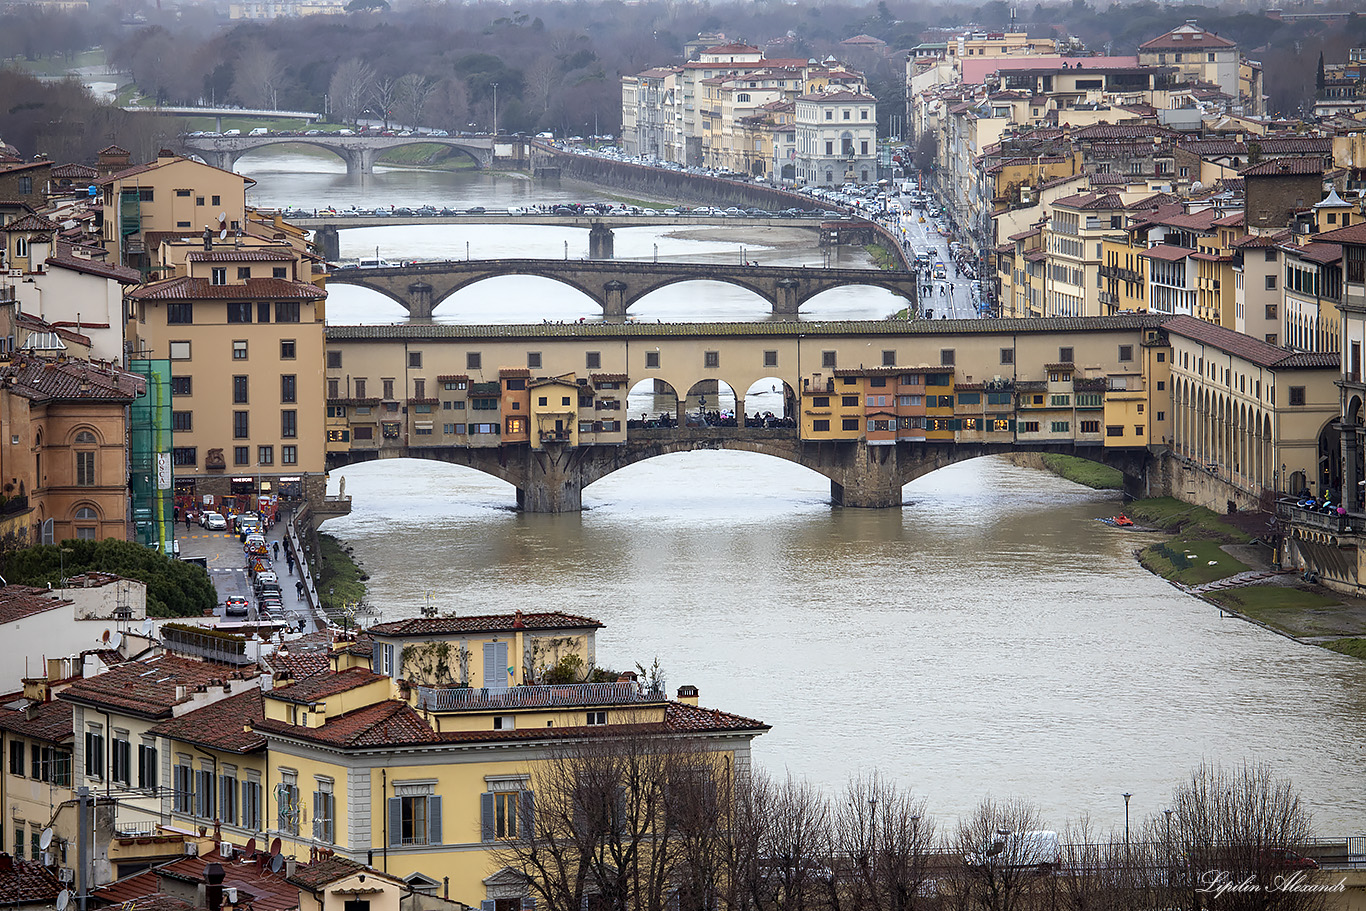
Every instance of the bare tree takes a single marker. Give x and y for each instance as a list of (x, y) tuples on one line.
[(383, 97), (349, 89), (1003, 866), (795, 851), (1237, 827), (257, 76), (1104, 873), (412, 92), (883, 841)]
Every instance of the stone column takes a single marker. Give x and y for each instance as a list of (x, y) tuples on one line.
[(785, 303), (614, 302), (328, 241), (1350, 491), (600, 242), (553, 483), (420, 300), (870, 479)]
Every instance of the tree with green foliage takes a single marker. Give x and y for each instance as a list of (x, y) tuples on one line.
[(174, 588)]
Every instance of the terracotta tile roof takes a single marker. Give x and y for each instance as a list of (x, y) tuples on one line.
[(362, 647), (1123, 131), (50, 721), (186, 288), (137, 169), (27, 882), (20, 601), (1196, 221), (43, 380), (139, 885), (247, 255), (1230, 221), (1248, 348), (389, 723), (31, 223), (220, 725), (146, 688), (1089, 201), (311, 689), (1168, 252), (65, 259), (299, 667), (266, 891), (436, 626), (1183, 37), (1319, 252), (841, 95), (323, 872), (1352, 234), (1280, 167), (156, 901), (73, 171)]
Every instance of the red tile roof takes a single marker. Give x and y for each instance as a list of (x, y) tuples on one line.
[(267, 891), (20, 601), (1352, 234), (248, 255), (311, 689), (220, 725), (147, 688), (486, 623), (1168, 252), (1183, 37), (65, 259), (50, 721), (1246, 347), (43, 380), (186, 288), (1280, 167), (137, 886), (31, 223), (324, 872), (27, 882)]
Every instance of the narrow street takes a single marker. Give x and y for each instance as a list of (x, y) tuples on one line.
[(227, 569), (950, 297)]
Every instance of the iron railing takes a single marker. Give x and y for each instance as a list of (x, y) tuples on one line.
[(1312, 518), (454, 699)]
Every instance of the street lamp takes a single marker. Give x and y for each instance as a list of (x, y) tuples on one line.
[(1127, 795), (495, 110)]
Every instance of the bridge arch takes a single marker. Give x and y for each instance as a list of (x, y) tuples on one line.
[(336, 152), (660, 284), (438, 298)]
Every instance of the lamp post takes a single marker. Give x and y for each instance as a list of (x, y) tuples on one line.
[(1127, 795), (495, 110), (1168, 813)]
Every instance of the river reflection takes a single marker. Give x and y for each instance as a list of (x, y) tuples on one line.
[(988, 638)]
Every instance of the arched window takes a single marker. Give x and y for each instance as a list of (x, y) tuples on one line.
[(86, 522), (86, 438), (85, 459), (742, 97)]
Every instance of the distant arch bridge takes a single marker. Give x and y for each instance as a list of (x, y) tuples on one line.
[(617, 284), (359, 152)]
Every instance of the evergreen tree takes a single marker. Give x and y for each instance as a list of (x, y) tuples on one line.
[(1320, 80)]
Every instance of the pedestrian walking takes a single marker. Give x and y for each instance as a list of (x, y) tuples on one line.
[(277, 549), (299, 587)]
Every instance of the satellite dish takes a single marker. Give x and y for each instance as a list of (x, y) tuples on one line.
[(63, 899), (45, 840), (276, 862), (104, 637), (223, 217), (146, 628), (275, 847), (116, 640), (251, 847), (222, 234)]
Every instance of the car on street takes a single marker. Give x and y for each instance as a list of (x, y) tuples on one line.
[(214, 521), (1286, 859), (236, 606)]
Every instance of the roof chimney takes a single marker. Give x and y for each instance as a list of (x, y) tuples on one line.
[(687, 695), (213, 893)]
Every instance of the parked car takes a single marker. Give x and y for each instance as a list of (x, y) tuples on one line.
[(236, 606), (214, 521)]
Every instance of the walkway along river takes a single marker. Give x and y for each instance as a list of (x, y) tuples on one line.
[(986, 638)]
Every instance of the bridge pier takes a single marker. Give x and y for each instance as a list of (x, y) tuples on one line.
[(786, 305), (327, 240), (872, 478), (552, 481), (420, 300), (614, 302), (601, 242)]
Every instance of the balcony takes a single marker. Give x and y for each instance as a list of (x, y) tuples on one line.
[(1124, 275), (1287, 510), (555, 436), (458, 699)]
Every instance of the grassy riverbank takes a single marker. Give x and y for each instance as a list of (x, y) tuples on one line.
[(340, 581), (1077, 470)]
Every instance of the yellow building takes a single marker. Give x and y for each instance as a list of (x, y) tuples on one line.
[(170, 197), (832, 406), (244, 335)]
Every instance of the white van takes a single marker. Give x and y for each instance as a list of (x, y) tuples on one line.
[(259, 131), (516, 210), (232, 132), (1039, 850)]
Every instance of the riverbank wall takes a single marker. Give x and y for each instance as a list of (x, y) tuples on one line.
[(1199, 485)]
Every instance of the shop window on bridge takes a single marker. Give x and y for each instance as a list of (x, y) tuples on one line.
[(850, 424), (610, 426), (888, 359), (1029, 427), (533, 360), (1126, 353), (1061, 427), (1007, 355), (878, 382), (820, 426), (593, 360), (473, 360), (711, 359), (391, 430), (1065, 355), (828, 359), (947, 356), (770, 359), (484, 428), (516, 425), (1114, 430), (484, 404), (910, 379), (1000, 425), (1059, 401), (998, 398), (941, 401), (820, 401), (849, 401), (585, 426), (338, 436), (875, 425), (1090, 426), (969, 398), (652, 360)]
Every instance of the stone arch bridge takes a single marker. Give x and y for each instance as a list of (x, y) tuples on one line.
[(552, 479), (617, 284), (359, 152)]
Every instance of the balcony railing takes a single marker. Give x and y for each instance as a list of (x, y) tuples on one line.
[(455, 699), (1312, 518), (555, 436)]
